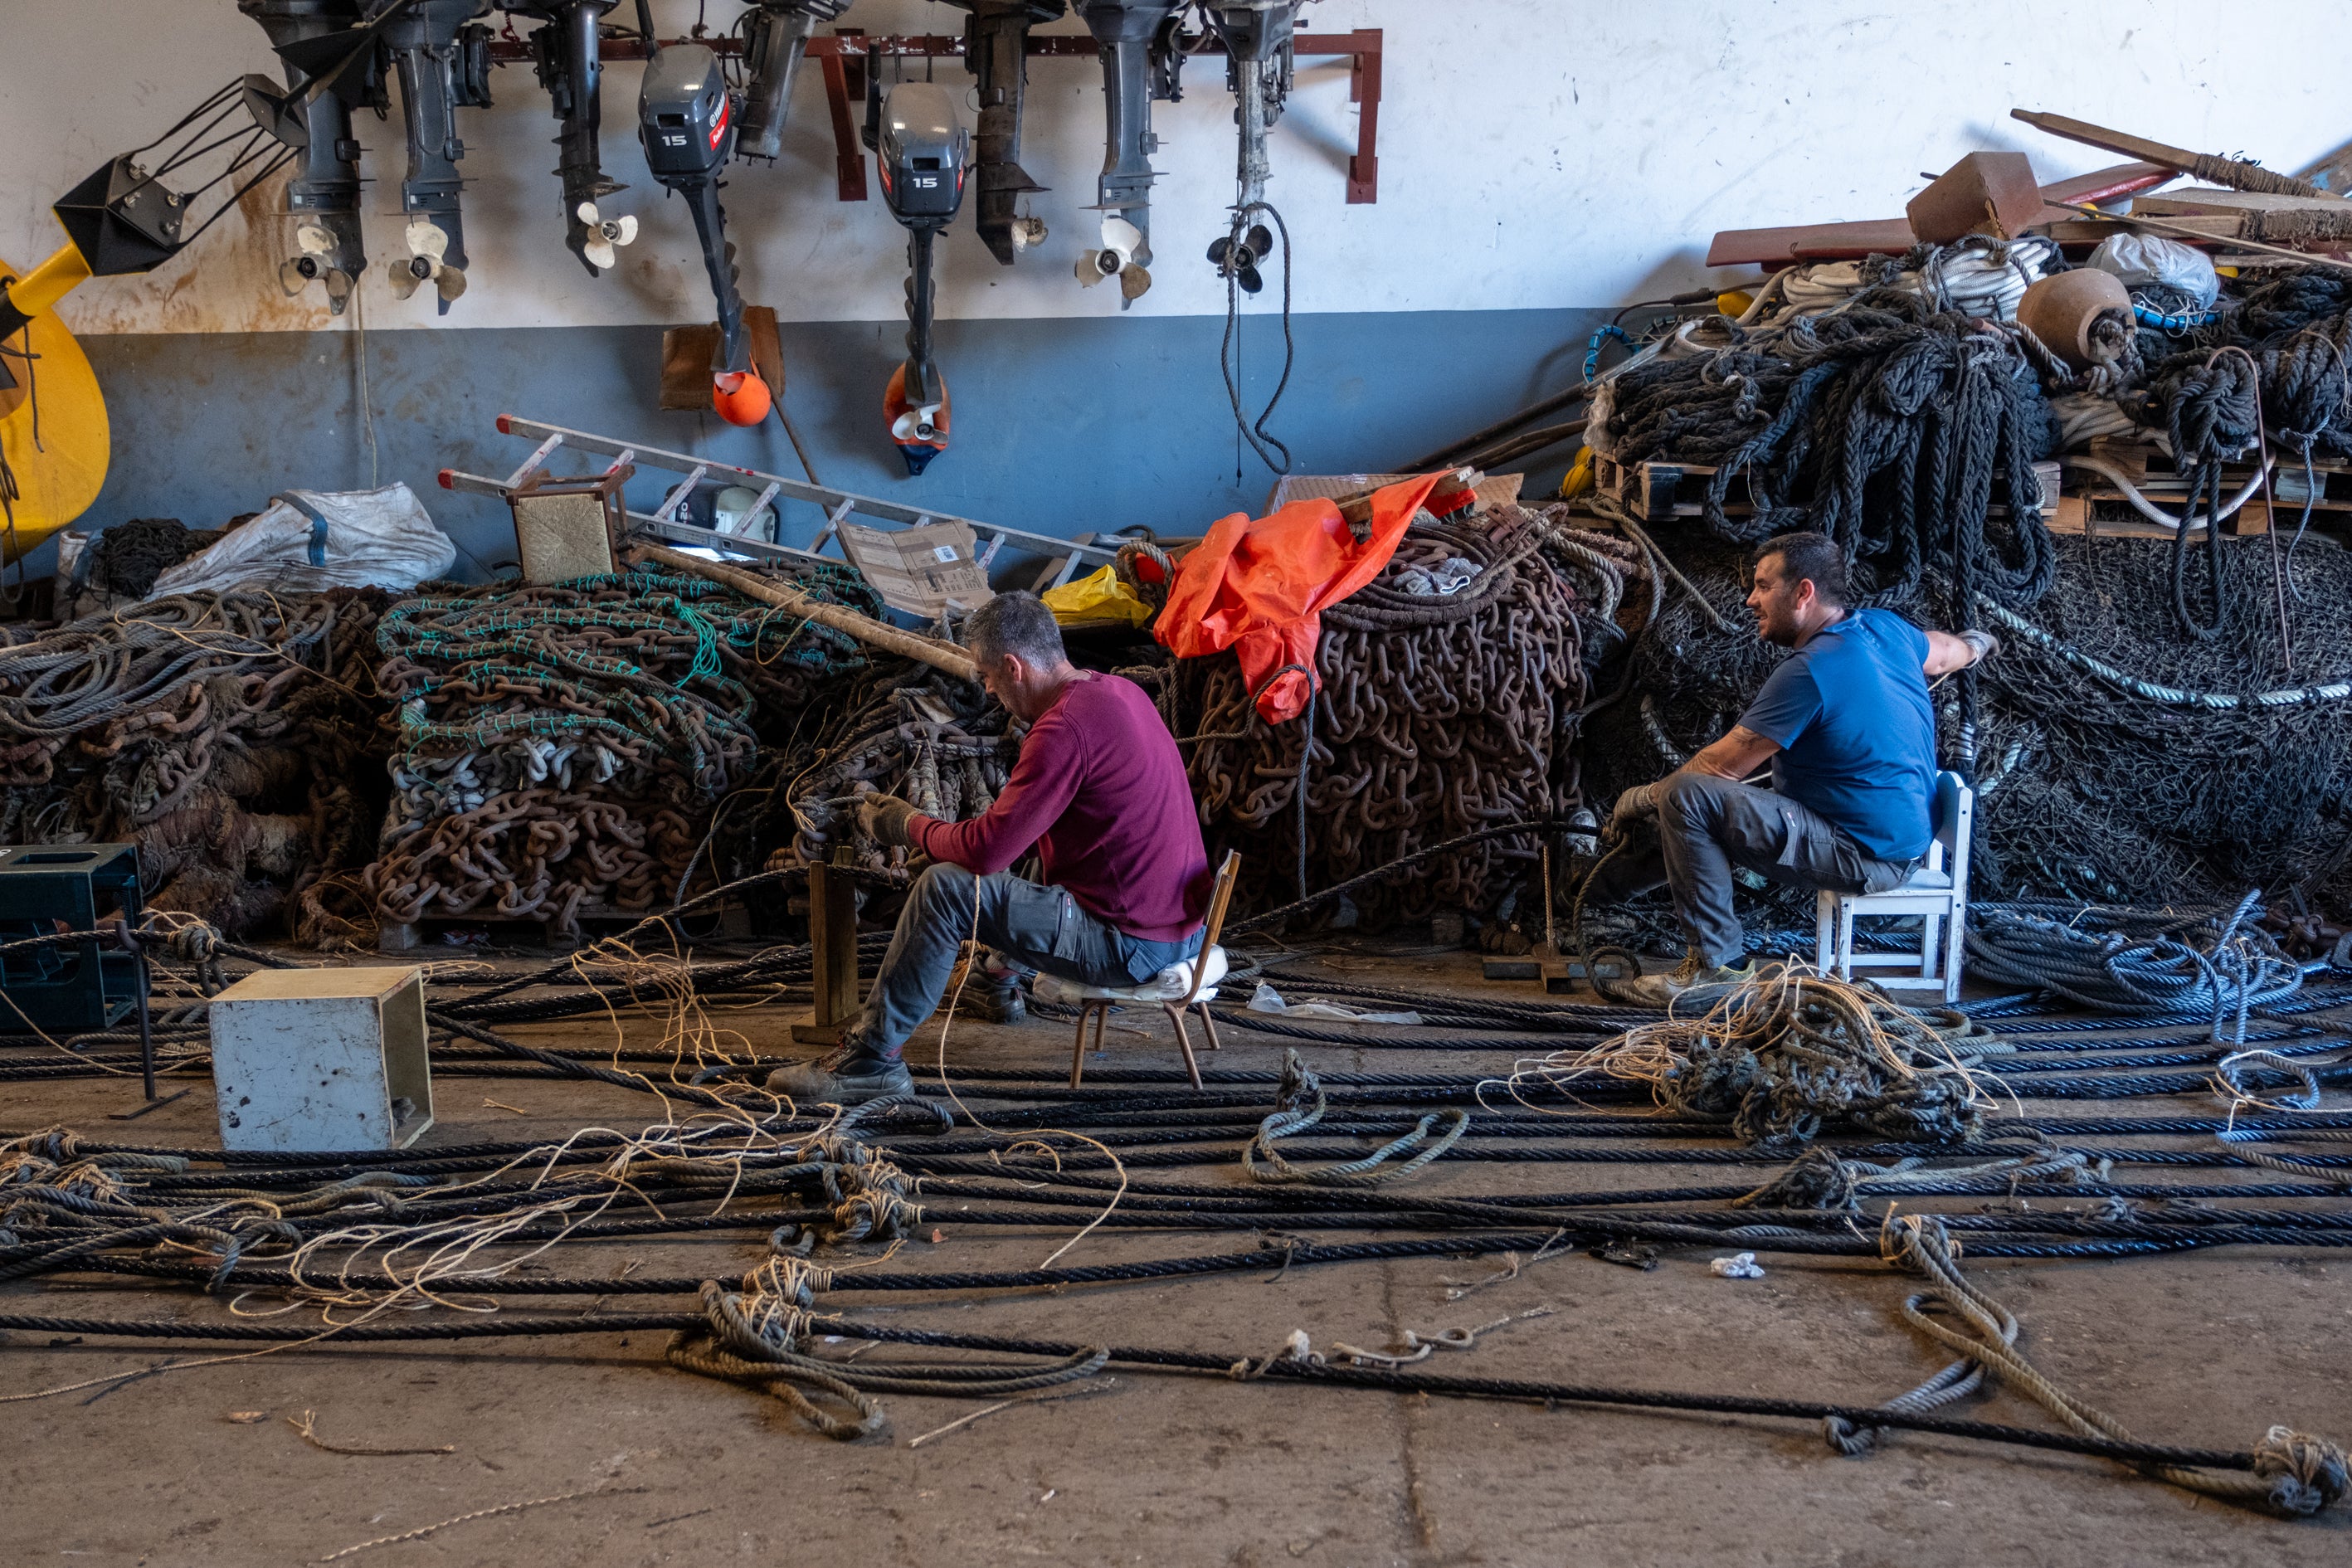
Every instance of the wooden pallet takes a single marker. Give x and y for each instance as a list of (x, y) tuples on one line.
[(2094, 504), (2108, 515), (2154, 474), (1656, 491)]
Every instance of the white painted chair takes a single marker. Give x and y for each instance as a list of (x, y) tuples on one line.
[(1937, 892), (1177, 989)]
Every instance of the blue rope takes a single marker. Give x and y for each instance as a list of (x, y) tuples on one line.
[(1592, 347)]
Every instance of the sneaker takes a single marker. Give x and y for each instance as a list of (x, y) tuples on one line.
[(849, 1074), (1694, 973)]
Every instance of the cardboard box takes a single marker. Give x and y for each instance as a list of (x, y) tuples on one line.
[(928, 570)]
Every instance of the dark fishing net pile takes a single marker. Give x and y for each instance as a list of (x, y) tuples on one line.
[(127, 558), (2088, 790)]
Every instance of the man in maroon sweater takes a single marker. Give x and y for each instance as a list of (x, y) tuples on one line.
[(1099, 792)]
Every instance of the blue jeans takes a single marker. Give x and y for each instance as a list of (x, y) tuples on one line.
[(1033, 926)]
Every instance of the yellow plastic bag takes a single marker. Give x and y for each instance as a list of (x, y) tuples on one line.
[(1095, 601)]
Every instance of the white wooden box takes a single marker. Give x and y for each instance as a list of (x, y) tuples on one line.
[(323, 1059)]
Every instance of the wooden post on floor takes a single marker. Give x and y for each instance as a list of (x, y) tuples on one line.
[(833, 944)]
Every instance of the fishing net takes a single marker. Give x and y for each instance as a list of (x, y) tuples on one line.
[(2097, 779)]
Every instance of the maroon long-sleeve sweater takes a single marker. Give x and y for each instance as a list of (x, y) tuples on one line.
[(1100, 791)]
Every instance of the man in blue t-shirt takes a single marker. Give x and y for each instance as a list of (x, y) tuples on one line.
[(1845, 722)]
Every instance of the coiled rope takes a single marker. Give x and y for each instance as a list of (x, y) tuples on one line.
[(2123, 962)]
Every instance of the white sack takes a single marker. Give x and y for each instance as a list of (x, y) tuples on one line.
[(2138, 258), (313, 540)]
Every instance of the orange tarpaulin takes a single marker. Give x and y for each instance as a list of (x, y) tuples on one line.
[(1259, 587)]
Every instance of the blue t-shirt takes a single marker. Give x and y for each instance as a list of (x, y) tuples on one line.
[(1849, 711)]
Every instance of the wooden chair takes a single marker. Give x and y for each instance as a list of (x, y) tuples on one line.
[(1177, 990)]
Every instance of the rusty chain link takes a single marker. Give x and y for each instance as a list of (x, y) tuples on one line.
[(1440, 714), (233, 737), (564, 745)]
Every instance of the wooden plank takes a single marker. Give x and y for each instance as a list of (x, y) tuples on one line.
[(2110, 516), (688, 352), (2220, 199), (2076, 230), (1658, 492), (832, 943), (1845, 241)]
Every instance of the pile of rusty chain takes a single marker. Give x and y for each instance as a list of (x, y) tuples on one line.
[(562, 745), (936, 741), (230, 736), (1440, 714)]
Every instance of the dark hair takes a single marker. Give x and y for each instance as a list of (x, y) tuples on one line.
[(1809, 557), (1016, 623)]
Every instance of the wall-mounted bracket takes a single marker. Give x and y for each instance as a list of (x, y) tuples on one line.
[(841, 60)]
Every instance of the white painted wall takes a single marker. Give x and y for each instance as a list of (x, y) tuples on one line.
[(1533, 152)]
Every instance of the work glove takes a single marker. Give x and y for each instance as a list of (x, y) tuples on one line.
[(1982, 646), (883, 818), (1639, 803)]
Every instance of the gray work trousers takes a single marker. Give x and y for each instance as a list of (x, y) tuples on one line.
[(1033, 926), (1709, 824)]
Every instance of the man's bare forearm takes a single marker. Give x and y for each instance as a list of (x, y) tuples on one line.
[(1946, 653), (1738, 754)]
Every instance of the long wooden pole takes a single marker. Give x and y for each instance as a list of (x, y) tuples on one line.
[(864, 628), (2235, 171), (2185, 232)]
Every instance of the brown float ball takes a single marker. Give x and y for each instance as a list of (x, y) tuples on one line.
[(2060, 309)]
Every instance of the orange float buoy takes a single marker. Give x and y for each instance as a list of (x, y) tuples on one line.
[(741, 398)]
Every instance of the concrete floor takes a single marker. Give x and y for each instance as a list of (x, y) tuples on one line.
[(2203, 1349)]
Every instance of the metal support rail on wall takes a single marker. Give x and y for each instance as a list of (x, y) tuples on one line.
[(842, 56), (838, 506)]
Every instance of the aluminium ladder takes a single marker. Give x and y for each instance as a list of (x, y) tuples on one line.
[(838, 506)]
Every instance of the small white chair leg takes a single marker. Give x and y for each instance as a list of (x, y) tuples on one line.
[(1825, 904), (1845, 938), (1954, 941), (1930, 927)]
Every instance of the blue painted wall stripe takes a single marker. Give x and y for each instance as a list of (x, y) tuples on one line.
[(1059, 424)]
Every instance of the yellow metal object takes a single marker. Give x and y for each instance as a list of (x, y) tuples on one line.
[(45, 285), (59, 473), (1579, 475)]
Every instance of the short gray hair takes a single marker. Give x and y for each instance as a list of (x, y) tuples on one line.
[(1016, 623)]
